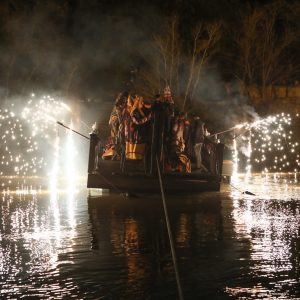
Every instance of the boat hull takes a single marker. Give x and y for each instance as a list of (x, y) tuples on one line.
[(135, 176), (138, 183)]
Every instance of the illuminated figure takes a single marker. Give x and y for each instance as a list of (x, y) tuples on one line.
[(115, 120), (136, 127), (112, 149), (198, 133), (177, 157)]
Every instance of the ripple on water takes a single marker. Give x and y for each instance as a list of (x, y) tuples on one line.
[(228, 244)]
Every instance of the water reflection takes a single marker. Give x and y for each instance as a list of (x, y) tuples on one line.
[(60, 243), (183, 231), (128, 230), (138, 235), (271, 224), (33, 236), (37, 227)]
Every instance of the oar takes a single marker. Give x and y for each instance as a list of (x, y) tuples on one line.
[(245, 192), (169, 233), (103, 177), (63, 125)]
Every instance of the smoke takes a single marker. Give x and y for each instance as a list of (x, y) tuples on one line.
[(223, 102), (77, 51), (84, 50)]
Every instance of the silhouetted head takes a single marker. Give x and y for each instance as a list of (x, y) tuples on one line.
[(121, 99)]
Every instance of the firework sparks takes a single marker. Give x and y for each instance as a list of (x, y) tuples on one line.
[(26, 133), (272, 146)]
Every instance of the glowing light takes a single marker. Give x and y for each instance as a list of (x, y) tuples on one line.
[(27, 132), (271, 136), (239, 126)]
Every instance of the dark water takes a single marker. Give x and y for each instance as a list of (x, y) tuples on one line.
[(61, 243)]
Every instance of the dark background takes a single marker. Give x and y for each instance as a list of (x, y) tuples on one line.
[(86, 49)]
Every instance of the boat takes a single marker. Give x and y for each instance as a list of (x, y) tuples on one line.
[(142, 175)]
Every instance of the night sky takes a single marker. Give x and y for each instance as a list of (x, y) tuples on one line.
[(86, 49)]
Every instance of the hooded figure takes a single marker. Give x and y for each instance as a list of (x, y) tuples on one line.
[(198, 133), (177, 159), (115, 119), (112, 149)]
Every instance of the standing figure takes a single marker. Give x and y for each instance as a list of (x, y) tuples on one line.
[(198, 133), (178, 160), (169, 107), (115, 120), (136, 116), (113, 147), (178, 128)]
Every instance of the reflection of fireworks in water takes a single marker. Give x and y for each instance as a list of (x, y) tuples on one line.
[(270, 144), (26, 135)]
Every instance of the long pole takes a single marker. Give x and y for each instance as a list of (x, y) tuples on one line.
[(230, 129), (169, 233), (61, 124)]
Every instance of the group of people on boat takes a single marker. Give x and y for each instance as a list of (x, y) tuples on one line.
[(136, 126)]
